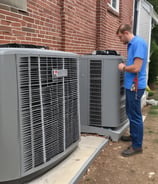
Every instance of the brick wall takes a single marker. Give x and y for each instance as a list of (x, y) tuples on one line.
[(113, 20), (79, 26), (40, 25)]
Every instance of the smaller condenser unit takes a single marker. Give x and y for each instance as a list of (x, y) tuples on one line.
[(102, 95), (39, 111)]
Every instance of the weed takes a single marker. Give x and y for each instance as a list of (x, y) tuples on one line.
[(148, 130), (151, 132), (154, 107), (156, 97), (150, 93), (155, 141), (153, 110)]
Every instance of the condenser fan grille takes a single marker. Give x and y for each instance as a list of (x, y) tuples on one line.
[(95, 92), (71, 99), (48, 108)]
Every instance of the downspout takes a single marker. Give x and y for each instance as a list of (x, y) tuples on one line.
[(138, 9), (135, 17)]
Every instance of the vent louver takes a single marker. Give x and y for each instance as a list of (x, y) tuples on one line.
[(48, 108), (71, 99), (95, 92)]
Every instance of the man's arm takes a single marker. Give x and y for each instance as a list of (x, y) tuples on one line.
[(135, 68)]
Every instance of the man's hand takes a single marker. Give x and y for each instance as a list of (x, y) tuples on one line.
[(121, 66), (134, 68)]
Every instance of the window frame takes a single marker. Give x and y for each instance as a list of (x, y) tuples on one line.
[(117, 5)]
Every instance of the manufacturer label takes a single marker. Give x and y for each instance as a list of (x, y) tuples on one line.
[(59, 73)]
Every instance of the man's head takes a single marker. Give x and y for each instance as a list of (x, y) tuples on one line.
[(124, 33)]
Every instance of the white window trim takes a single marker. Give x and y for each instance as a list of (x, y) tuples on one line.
[(117, 5)]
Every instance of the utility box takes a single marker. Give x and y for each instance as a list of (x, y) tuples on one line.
[(102, 94), (39, 111)]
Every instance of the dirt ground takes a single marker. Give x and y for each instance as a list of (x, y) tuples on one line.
[(110, 167)]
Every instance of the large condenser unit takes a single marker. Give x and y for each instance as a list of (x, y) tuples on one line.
[(39, 111), (102, 95)]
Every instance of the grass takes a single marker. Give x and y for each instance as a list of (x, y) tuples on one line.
[(156, 92), (154, 107), (151, 132), (155, 141), (153, 110), (153, 94), (156, 97), (150, 93)]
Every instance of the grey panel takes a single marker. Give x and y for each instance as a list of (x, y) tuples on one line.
[(9, 129), (111, 97), (84, 92), (39, 110), (103, 104)]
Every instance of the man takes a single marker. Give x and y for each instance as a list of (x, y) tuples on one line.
[(135, 84)]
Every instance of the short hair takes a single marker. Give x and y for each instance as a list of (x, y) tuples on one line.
[(124, 27)]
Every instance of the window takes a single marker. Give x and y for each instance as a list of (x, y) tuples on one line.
[(115, 5), (20, 4)]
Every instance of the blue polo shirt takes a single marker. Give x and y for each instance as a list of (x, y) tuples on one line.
[(137, 48)]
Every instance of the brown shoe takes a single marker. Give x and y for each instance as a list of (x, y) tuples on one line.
[(131, 151), (126, 138)]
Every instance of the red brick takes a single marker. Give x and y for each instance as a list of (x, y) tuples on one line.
[(27, 29), (4, 22), (28, 19), (70, 25), (17, 32), (5, 28)]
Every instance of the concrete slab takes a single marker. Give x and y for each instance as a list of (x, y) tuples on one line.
[(73, 167), (114, 134)]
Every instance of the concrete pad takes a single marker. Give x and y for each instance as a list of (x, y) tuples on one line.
[(73, 167), (114, 133)]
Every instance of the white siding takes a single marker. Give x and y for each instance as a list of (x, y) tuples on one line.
[(144, 23)]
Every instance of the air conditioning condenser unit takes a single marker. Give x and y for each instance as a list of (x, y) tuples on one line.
[(102, 95), (39, 111)]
